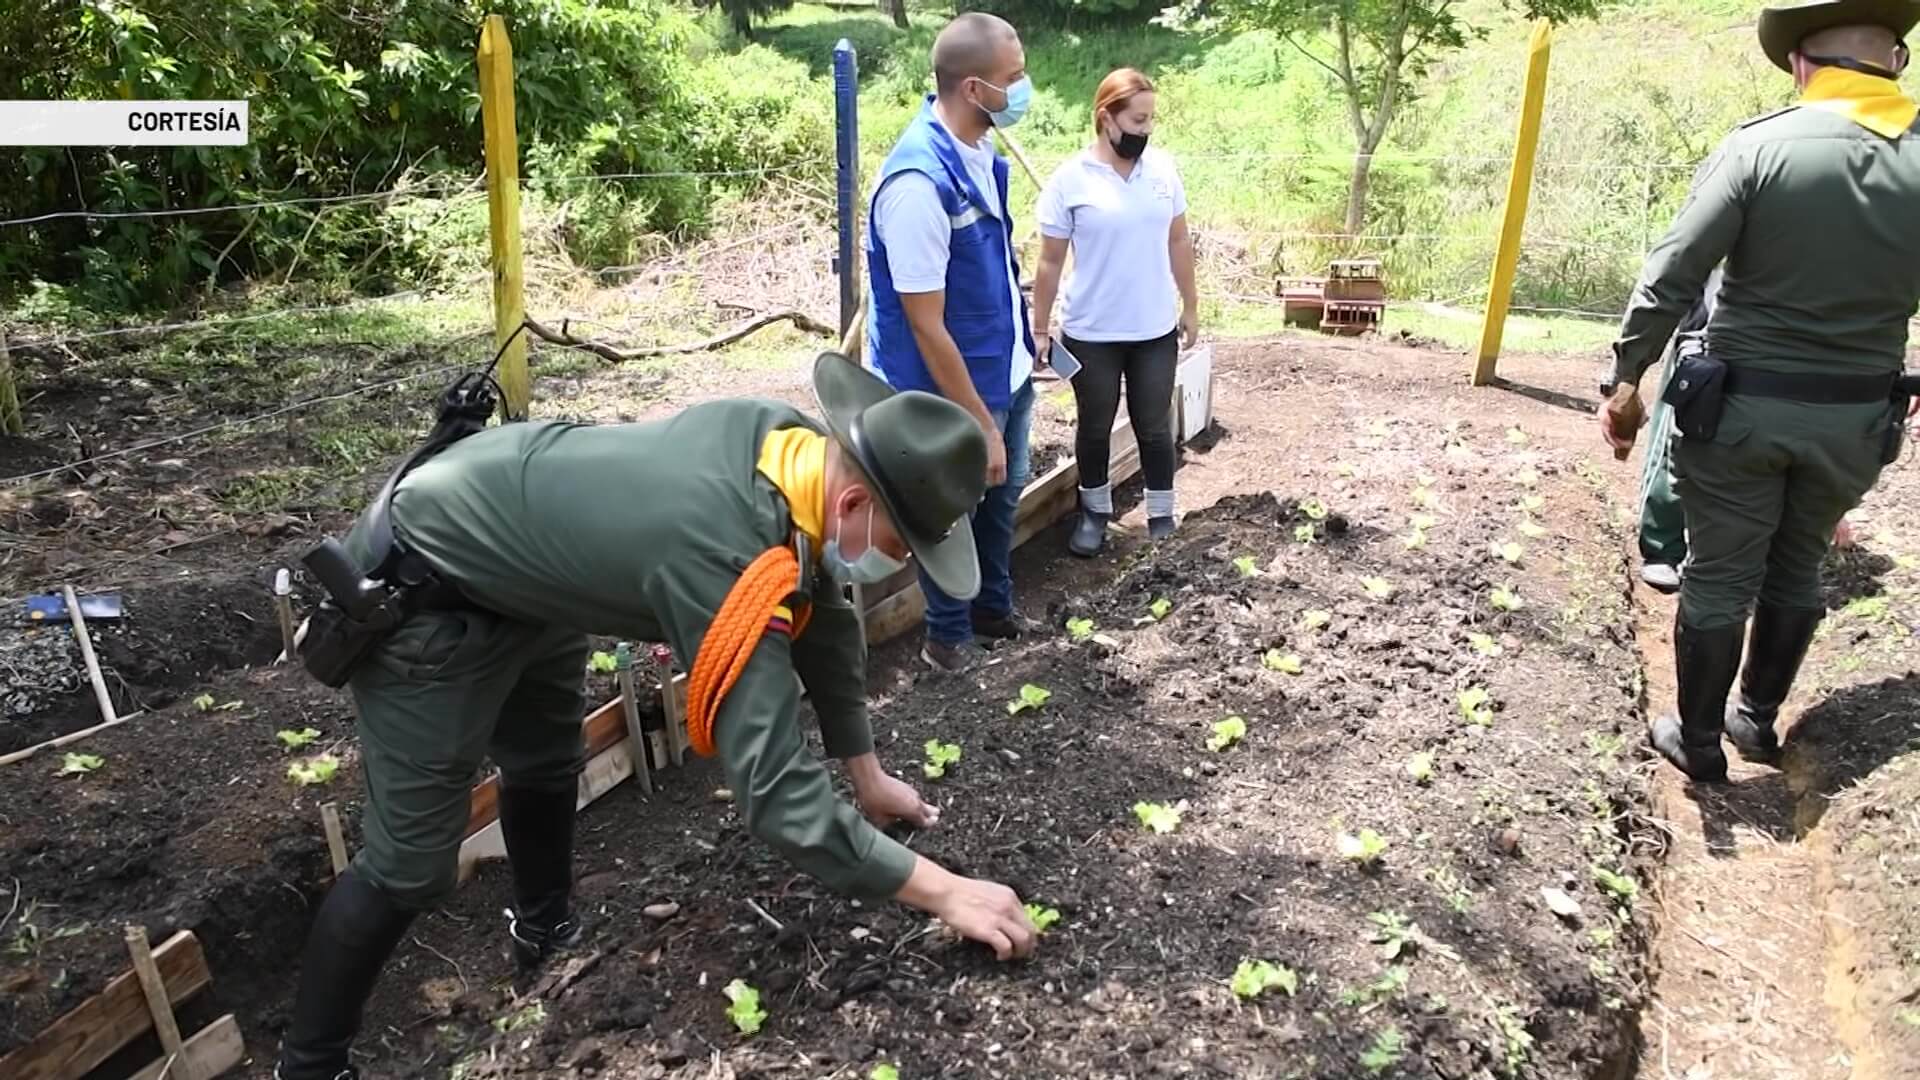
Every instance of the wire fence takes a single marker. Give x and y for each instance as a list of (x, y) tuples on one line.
[(405, 191)]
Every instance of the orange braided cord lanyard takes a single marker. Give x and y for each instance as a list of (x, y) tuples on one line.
[(750, 609)]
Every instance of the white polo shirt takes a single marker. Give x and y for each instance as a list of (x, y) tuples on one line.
[(1122, 286), (919, 234)]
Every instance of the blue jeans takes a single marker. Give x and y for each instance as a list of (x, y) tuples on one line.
[(950, 621)]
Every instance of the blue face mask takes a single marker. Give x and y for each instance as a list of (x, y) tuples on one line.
[(871, 568), (1019, 96)]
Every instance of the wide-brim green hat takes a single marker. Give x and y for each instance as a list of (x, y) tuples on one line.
[(926, 458), (1783, 28)]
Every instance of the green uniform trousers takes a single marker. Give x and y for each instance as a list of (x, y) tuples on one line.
[(1663, 526), (436, 699), (1762, 498)]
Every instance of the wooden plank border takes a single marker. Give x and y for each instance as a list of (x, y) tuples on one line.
[(103, 1025)]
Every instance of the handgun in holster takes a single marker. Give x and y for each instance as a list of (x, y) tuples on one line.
[(1904, 388), (363, 606)]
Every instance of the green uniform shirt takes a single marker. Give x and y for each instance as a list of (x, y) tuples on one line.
[(1818, 220), (640, 531)]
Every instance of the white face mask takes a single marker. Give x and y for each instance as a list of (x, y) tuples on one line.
[(871, 568)]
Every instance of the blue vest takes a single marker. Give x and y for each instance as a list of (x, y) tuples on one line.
[(978, 294)]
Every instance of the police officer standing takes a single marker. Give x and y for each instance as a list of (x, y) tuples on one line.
[(1787, 416)]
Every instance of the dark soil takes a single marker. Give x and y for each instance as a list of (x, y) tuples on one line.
[(191, 822)]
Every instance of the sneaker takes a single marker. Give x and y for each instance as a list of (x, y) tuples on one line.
[(1661, 577), (952, 658), (1009, 627), (533, 945)]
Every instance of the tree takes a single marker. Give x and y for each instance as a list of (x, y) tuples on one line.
[(899, 10), (1376, 51)]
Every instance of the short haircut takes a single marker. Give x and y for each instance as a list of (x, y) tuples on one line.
[(1873, 44), (967, 48)]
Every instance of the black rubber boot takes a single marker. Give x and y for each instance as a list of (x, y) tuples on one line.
[(1159, 528), (1704, 663), (1089, 533), (538, 829), (1774, 651), (352, 937)]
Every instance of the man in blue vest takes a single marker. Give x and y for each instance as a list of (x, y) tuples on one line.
[(947, 315)]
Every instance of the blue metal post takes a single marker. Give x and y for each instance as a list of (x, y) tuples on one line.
[(846, 126)]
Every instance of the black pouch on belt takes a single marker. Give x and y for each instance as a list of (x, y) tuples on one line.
[(1896, 432), (1697, 392)]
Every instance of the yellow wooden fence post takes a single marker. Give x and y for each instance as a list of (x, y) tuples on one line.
[(1519, 185), (503, 209)]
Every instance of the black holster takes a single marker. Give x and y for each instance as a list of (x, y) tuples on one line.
[(1697, 391), (364, 605)]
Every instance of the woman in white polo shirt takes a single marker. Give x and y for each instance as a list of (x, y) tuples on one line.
[(1129, 302)]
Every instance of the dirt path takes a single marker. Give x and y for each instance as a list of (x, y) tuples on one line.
[(1780, 954), (1739, 988)]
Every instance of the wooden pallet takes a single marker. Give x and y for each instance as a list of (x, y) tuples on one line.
[(106, 1023)]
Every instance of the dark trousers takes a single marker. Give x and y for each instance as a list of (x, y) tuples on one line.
[(1147, 368)]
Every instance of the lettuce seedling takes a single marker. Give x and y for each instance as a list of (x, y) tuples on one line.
[(294, 740), (1420, 767), (1316, 619), (1042, 917), (939, 756), (318, 770), (1421, 522), (1531, 529), (1285, 663), (1484, 645), (1159, 817), (604, 663), (1526, 477), (1516, 436), (1255, 977), (1364, 849), (1377, 587), (1314, 509), (1425, 499), (745, 1010), (1079, 629), (80, 764), (1159, 608), (1304, 532), (884, 1071), (1226, 733), (203, 703), (1388, 1048), (1505, 599), (1476, 706), (1417, 540), (1622, 886), (1031, 697), (1246, 566), (1510, 552), (1533, 504)]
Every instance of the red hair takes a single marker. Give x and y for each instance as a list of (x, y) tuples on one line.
[(1119, 87)]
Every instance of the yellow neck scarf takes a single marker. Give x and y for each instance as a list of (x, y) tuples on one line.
[(1877, 104), (795, 459)]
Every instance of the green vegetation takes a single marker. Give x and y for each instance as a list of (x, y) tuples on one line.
[(1252, 106)]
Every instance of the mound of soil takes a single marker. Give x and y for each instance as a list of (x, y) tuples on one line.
[(1439, 954)]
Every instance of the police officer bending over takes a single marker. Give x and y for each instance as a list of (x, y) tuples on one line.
[(1787, 416), (727, 531)]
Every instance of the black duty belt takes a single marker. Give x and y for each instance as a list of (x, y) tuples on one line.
[(1813, 389)]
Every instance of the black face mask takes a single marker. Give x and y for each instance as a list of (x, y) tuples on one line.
[(1130, 145)]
